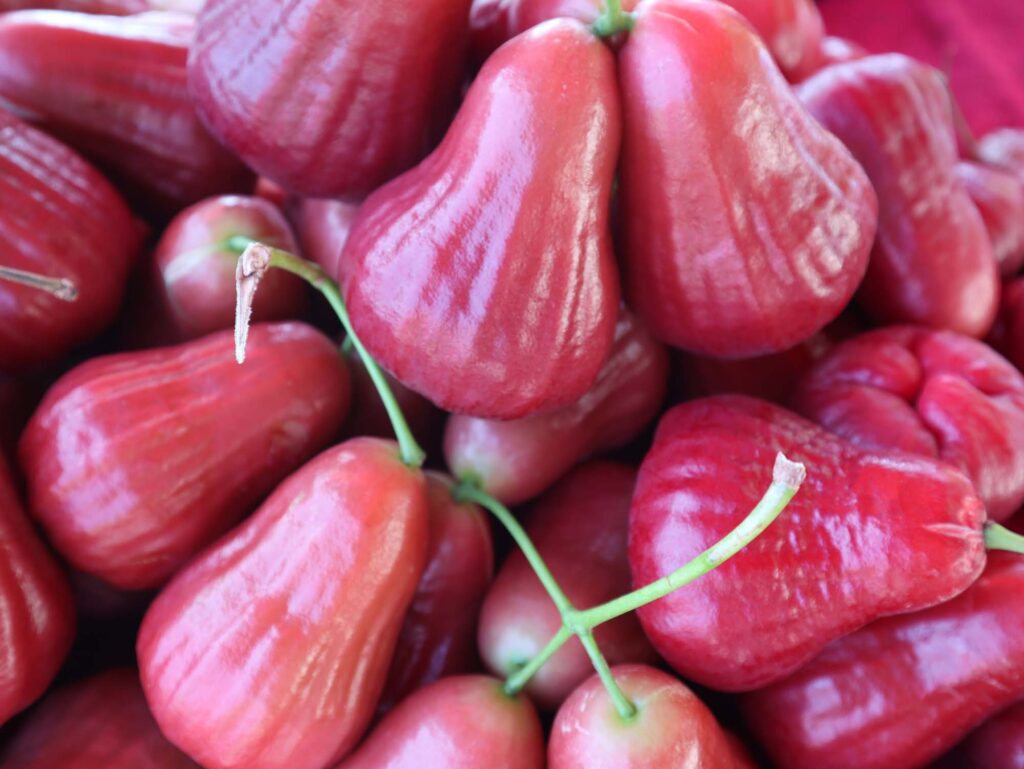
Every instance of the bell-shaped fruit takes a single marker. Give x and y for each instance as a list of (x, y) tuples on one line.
[(867, 535), (932, 262), (999, 197), (136, 461), (484, 278), (270, 650), (747, 226), (515, 460), (328, 97)]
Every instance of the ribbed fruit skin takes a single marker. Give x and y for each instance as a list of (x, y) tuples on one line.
[(114, 88), (37, 614), (328, 98), (269, 651), (136, 461), (61, 219), (746, 226), (102, 722), (484, 278), (932, 262)]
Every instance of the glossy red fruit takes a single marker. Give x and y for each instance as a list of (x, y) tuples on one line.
[(998, 743), (672, 728), (114, 88), (580, 529), (932, 262), (328, 97), (793, 30), (835, 50), (60, 219), (900, 692), (466, 722), (935, 393), (323, 227), (99, 723), (756, 241), (191, 289), (37, 616), (867, 535), (108, 7), (455, 270), (269, 651), (136, 461), (999, 197), (1004, 149), (516, 460), (438, 636)]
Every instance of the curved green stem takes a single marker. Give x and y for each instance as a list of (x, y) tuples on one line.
[(256, 259), (623, 705), (613, 20), (62, 288), (1001, 538), (517, 681)]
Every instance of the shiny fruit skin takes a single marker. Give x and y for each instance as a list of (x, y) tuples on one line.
[(465, 722), (37, 614), (580, 529), (99, 723), (999, 198), (934, 393), (438, 636), (269, 650), (61, 219), (322, 227), (1004, 149), (500, 238), (328, 98), (113, 87), (747, 227), (515, 460), (932, 262), (867, 535), (136, 461), (672, 728)]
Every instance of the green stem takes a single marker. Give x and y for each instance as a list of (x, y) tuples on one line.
[(62, 288), (623, 705), (613, 20), (1001, 538), (412, 454), (517, 681), (786, 481)]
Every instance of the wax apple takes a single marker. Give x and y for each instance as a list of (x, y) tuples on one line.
[(1004, 149), (438, 636), (37, 616), (753, 242), (61, 220), (868, 535), (99, 723), (369, 417), (999, 197), (328, 114), (932, 262), (454, 271), (463, 722), (323, 227), (934, 393), (580, 529), (269, 651), (518, 459), (171, 447), (114, 88)]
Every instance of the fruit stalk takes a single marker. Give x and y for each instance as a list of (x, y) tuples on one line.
[(62, 288)]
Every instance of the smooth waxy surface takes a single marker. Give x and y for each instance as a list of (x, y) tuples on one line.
[(999, 197), (456, 271), (868, 535), (322, 227)]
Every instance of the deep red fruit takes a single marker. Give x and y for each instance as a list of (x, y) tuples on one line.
[(500, 238), (672, 728), (518, 459), (136, 461), (100, 723), (114, 88), (867, 535), (37, 616), (747, 226), (457, 723), (61, 219), (269, 651), (438, 636), (900, 692), (793, 30), (323, 227), (932, 262), (580, 529), (998, 743), (1009, 331), (999, 197), (934, 393), (328, 97)]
